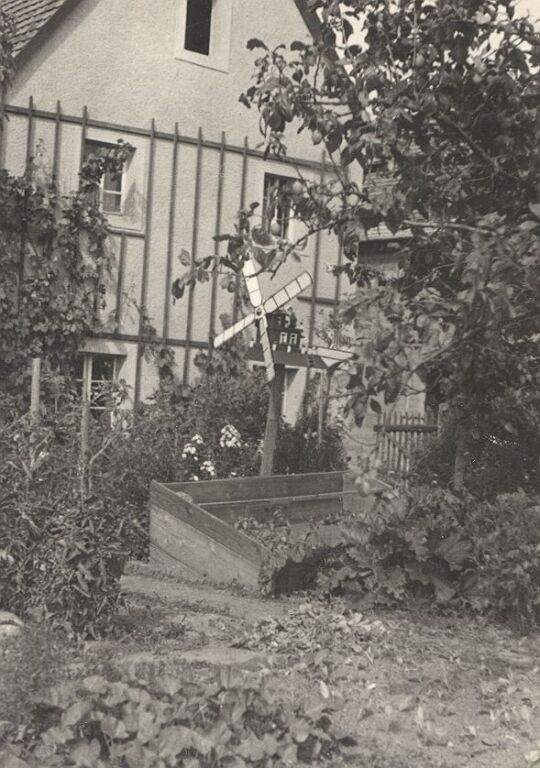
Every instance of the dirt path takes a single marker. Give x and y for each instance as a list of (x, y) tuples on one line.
[(423, 692)]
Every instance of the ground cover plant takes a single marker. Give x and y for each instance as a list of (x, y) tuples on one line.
[(143, 719)]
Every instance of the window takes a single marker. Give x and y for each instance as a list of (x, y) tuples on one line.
[(198, 26), (276, 211), (203, 35), (111, 184), (293, 340), (283, 337), (95, 376)]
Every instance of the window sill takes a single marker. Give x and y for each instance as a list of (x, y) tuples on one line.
[(200, 60)]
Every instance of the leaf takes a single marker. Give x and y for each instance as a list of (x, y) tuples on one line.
[(85, 754), (178, 288), (96, 684), (375, 405), (251, 748), (534, 208), (300, 730), (184, 258), (254, 43), (325, 693), (76, 713), (168, 684), (58, 734)]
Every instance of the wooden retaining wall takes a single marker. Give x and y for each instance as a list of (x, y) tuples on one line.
[(192, 529)]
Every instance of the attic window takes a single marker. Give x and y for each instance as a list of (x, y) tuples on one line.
[(198, 26)]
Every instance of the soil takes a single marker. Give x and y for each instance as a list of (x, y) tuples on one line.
[(429, 692)]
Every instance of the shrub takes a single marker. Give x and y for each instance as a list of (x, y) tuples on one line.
[(502, 453), (147, 720), (506, 533), (298, 448), (61, 546), (29, 664)]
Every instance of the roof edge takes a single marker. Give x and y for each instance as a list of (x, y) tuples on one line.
[(310, 18), (35, 42)]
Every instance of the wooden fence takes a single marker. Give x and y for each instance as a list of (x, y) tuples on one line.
[(399, 435)]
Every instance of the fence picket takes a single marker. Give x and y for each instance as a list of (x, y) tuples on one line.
[(399, 436)]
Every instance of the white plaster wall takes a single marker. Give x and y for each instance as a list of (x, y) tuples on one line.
[(117, 58)]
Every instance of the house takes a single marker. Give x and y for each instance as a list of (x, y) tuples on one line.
[(166, 76)]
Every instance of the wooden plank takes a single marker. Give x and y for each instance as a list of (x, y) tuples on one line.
[(236, 296), (194, 246), (273, 418), (120, 282), (181, 507), (217, 233), (199, 552), (161, 560), (416, 428), (42, 114), (170, 235), (261, 487), (56, 149), (29, 135), (296, 509), (146, 262)]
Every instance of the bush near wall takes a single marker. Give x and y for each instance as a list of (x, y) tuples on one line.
[(62, 546)]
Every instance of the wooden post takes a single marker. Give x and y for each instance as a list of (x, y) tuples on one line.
[(34, 393), (272, 420), (85, 407)]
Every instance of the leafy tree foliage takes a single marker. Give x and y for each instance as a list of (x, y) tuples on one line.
[(428, 113)]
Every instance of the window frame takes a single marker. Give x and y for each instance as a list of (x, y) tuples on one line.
[(87, 382), (286, 223), (97, 143), (218, 57)]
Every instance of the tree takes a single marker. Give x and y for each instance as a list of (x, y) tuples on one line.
[(435, 104)]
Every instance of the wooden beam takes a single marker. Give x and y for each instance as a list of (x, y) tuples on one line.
[(194, 244), (36, 386), (242, 488), (120, 282), (199, 541), (217, 233), (170, 236), (236, 296), (29, 135), (56, 145), (146, 259), (272, 420), (162, 135)]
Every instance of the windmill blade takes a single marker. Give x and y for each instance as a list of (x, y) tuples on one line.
[(228, 333), (328, 353), (292, 289), (266, 348), (252, 283)]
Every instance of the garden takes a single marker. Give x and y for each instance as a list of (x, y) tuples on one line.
[(411, 638)]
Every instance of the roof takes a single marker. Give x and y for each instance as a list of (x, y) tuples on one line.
[(32, 17)]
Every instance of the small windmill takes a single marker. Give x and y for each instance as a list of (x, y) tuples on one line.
[(279, 347)]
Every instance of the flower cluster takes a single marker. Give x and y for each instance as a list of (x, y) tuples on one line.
[(209, 468), (230, 437), (189, 450), (198, 459)]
